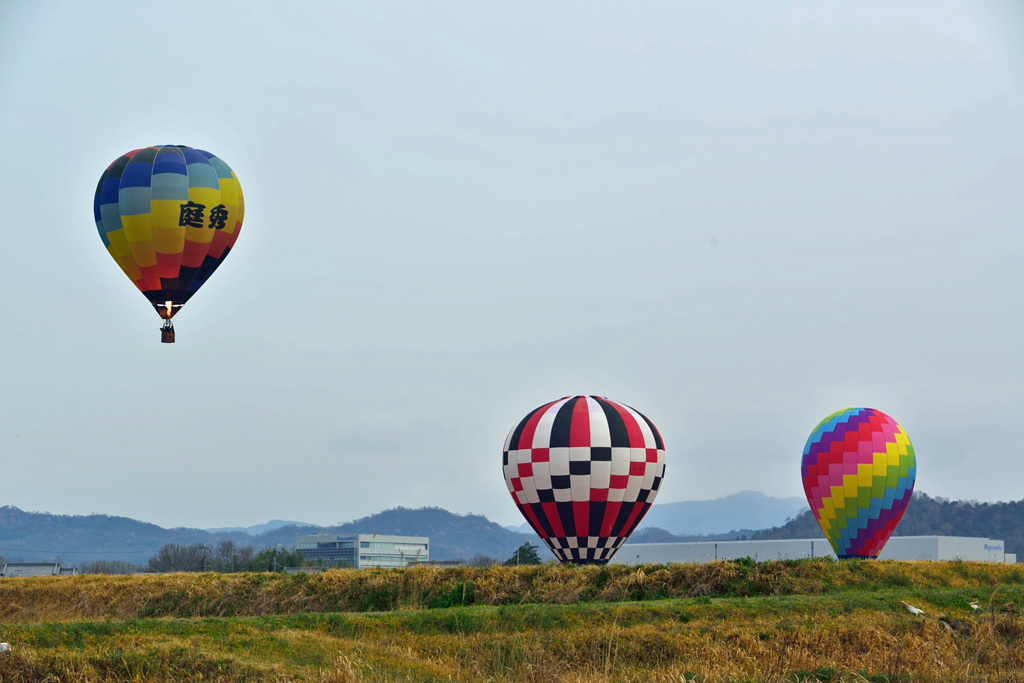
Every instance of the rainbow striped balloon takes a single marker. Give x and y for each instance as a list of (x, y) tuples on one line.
[(168, 215), (858, 472)]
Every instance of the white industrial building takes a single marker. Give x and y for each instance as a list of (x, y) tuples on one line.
[(28, 569), (898, 548), (363, 551)]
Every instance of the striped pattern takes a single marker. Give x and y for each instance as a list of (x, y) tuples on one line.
[(138, 209), (858, 473), (584, 471)]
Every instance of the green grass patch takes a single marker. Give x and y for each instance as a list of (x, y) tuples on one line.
[(736, 621)]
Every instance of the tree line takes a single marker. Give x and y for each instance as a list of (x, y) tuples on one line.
[(227, 557), (224, 557)]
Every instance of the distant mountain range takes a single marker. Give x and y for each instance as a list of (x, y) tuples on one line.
[(33, 536), (257, 529), (737, 512)]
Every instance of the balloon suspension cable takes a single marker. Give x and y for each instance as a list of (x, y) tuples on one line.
[(167, 332)]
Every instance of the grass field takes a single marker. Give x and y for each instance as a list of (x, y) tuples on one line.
[(728, 621)]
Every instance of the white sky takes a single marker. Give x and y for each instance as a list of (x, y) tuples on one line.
[(735, 217)]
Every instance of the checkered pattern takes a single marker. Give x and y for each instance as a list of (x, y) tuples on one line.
[(858, 472), (584, 471)]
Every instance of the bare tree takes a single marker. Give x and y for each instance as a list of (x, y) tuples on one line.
[(224, 556), (178, 558), (482, 561), (108, 567)]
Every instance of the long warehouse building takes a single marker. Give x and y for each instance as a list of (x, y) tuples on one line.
[(898, 548)]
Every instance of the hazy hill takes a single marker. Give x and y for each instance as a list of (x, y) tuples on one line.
[(39, 536), (743, 510), (653, 534), (257, 529), (738, 513), (927, 516)]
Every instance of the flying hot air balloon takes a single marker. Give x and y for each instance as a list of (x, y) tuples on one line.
[(584, 470), (858, 473), (168, 215)]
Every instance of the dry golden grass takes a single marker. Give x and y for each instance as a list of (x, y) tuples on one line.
[(51, 599), (789, 621)]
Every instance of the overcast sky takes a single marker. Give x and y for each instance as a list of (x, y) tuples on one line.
[(735, 217)]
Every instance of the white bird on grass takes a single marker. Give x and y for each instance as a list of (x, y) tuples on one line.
[(973, 605), (913, 610)]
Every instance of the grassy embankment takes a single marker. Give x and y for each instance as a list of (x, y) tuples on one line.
[(806, 620)]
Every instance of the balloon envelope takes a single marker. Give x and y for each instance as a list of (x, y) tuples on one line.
[(168, 215), (584, 470), (858, 473)]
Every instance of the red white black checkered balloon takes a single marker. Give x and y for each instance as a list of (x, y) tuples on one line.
[(584, 471)]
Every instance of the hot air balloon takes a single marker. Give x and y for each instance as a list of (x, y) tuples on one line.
[(168, 215), (584, 470), (858, 472)]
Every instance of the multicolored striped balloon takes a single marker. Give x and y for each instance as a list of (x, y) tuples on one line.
[(584, 470), (168, 215), (858, 472)]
